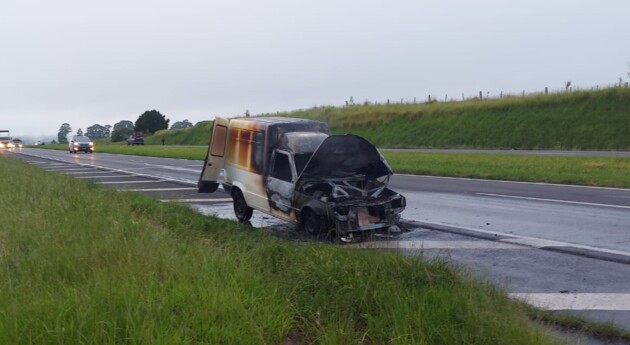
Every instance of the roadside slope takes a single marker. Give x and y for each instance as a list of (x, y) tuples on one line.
[(581, 120), (81, 264)]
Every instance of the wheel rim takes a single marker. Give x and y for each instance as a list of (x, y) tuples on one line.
[(240, 207), (311, 223)]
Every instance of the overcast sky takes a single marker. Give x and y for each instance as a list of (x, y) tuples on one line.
[(100, 62)]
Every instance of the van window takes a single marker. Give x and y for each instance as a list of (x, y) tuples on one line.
[(282, 167), (218, 141)]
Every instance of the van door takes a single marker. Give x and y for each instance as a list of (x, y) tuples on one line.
[(215, 158), (281, 185)]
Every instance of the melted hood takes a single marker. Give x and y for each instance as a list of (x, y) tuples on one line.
[(341, 156)]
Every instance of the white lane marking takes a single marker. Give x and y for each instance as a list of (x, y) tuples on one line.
[(83, 172), (104, 176), (171, 167), (156, 189), (576, 301), (66, 168), (554, 200), (519, 182), (111, 170), (128, 182), (527, 241), (52, 164), (198, 200), (481, 244)]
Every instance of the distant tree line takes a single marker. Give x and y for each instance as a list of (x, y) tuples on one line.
[(147, 123)]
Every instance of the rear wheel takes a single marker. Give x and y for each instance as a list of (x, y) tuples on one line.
[(241, 210), (312, 223)]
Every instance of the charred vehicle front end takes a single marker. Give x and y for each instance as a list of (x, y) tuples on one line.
[(350, 205), (344, 185)]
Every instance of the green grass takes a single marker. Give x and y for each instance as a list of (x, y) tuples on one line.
[(590, 171), (582, 120), (199, 134), (81, 264), (578, 170)]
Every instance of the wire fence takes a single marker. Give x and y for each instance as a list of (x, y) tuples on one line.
[(484, 95)]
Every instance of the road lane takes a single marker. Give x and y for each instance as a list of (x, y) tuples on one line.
[(590, 216)]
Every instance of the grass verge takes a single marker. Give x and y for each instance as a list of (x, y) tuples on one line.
[(582, 120), (81, 264), (578, 170)]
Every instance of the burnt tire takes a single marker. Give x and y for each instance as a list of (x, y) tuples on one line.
[(241, 210), (312, 223)]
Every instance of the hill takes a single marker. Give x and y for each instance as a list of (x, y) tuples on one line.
[(579, 120)]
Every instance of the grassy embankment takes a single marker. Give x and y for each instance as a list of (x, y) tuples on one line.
[(81, 264), (582, 120), (591, 171)]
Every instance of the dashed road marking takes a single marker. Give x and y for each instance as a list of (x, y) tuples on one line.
[(199, 200), (83, 172), (60, 169), (104, 176), (123, 182), (157, 189), (576, 301)]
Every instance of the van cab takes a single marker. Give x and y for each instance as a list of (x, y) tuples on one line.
[(293, 169)]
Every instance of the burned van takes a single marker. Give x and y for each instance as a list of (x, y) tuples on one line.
[(293, 169)]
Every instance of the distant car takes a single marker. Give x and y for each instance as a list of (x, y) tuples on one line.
[(135, 139), (80, 143), (18, 143)]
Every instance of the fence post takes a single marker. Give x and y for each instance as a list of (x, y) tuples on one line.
[(480, 95), (546, 90)]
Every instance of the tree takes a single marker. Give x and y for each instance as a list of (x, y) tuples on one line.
[(97, 132), (80, 132), (181, 124), (150, 122), (122, 130), (64, 130), (124, 124)]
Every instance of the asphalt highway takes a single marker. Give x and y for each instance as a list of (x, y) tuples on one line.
[(585, 216)]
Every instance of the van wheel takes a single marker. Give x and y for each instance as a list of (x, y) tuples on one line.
[(312, 223), (241, 210)]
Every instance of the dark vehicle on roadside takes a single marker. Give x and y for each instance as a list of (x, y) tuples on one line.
[(135, 139), (293, 169), (80, 143)]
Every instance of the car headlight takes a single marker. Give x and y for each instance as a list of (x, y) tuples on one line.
[(91, 143), (75, 144)]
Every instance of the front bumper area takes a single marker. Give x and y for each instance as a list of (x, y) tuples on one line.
[(352, 217)]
